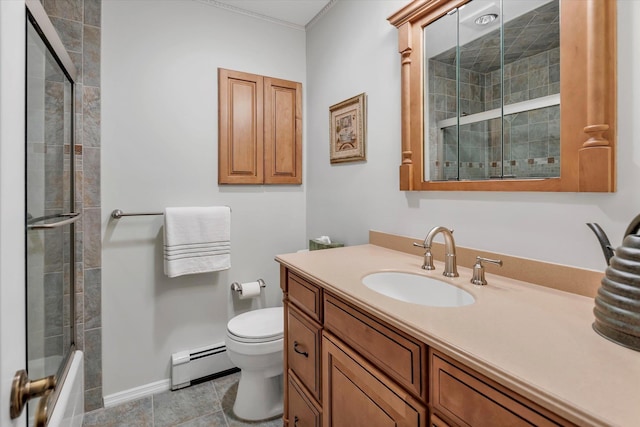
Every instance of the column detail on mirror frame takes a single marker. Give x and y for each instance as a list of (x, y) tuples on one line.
[(597, 168), (406, 168)]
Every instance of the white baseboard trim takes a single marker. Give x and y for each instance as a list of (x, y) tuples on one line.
[(137, 393)]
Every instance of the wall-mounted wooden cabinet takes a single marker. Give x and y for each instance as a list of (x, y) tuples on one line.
[(259, 129)]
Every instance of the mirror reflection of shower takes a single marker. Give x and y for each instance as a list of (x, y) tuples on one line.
[(492, 91), (50, 228)]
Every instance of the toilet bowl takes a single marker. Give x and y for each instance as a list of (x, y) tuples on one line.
[(255, 345)]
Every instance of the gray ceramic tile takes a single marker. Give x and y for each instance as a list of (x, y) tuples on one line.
[(53, 293), (92, 242), (91, 117), (76, 58), (80, 340), (91, 56), (538, 149), (93, 360), (79, 238), (138, 413), (79, 308), (70, 33), (68, 9), (92, 298), (91, 178), (92, 12), (520, 150), (78, 97), (93, 399), (223, 384), (53, 345), (216, 419), (172, 408), (554, 73), (538, 132)]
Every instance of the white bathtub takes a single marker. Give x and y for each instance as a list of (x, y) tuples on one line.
[(69, 409)]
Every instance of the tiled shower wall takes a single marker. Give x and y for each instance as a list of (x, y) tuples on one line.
[(78, 24), (531, 139)]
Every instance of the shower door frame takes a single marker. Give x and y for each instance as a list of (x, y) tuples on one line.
[(37, 16)]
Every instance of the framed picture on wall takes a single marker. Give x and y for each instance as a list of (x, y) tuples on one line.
[(347, 129)]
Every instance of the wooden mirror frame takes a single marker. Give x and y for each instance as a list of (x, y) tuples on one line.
[(588, 84)]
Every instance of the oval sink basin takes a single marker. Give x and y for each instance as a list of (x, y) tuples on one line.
[(417, 289)]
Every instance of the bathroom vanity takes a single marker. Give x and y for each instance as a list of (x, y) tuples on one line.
[(521, 354)]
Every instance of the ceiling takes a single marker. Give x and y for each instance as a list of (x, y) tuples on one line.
[(296, 13)]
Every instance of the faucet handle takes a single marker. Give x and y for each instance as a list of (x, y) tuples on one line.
[(428, 256), (478, 270)]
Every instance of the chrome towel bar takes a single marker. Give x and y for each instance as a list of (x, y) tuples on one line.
[(117, 214)]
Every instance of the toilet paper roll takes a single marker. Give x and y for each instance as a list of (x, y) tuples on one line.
[(249, 290)]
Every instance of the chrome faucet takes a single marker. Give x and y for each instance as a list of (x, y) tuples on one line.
[(450, 267)]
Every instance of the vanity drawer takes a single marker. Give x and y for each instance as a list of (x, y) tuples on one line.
[(303, 350), (302, 410), (306, 295), (398, 355), (468, 398)]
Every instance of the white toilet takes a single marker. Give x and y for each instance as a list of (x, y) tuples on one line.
[(255, 345)]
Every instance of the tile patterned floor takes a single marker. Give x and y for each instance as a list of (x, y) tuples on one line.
[(204, 405)]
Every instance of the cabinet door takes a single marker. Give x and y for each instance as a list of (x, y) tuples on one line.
[(282, 132), (302, 411), (240, 128), (356, 394)]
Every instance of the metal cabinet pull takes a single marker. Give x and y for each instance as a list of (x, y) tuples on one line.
[(295, 421), (66, 218), (295, 348)]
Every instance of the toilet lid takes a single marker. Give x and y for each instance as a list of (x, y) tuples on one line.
[(264, 324)]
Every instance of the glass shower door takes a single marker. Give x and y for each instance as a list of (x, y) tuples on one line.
[(50, 215)]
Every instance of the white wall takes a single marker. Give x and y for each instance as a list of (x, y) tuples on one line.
[(159, 136), (353, 49)]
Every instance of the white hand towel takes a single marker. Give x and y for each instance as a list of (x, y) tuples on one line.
[(196, 240)]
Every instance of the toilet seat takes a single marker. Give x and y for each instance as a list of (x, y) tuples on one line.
[(257, 326)]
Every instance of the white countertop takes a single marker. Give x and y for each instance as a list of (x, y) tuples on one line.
[(536, 341)]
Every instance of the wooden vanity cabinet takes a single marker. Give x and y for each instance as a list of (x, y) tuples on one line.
[(344, 367)]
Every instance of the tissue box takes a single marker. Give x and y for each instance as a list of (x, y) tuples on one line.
[(315, 245)]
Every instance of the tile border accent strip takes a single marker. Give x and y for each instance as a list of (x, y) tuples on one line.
[(556, 276)]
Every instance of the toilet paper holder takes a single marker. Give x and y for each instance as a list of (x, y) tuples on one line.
[(235, 286)]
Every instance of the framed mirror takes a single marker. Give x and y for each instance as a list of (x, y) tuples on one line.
[(504, 95)]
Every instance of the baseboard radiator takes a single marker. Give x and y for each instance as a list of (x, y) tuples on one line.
[(198, 365)]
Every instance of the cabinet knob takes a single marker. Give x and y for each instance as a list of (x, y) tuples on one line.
[(295, 421), (295, 348)]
